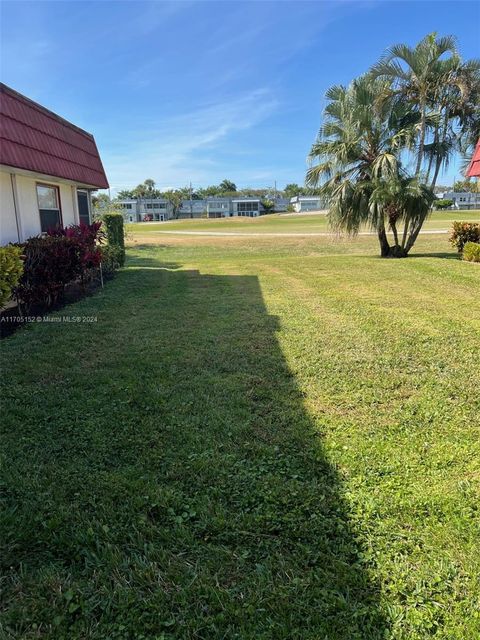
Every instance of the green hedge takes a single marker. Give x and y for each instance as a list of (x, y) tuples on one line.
[(113, 258), (471, 252), (11, 269), (113, 223)]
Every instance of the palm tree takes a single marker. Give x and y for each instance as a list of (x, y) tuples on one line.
[(149, 184), (356, 162), (227, 186), (456, 103), (415, 74)]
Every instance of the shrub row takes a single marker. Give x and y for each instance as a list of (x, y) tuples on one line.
[(53, 261), (37, 271), (471, 252), (463, 232), (11, 267)]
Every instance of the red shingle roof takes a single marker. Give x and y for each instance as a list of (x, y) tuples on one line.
[(474, 166), (36, 139)]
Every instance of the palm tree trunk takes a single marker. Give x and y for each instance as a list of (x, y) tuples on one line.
[(439, 156), (430, 160), (393, 227), (383, 240), (435, 175), (421, 145), (414, 234), (405, 231)]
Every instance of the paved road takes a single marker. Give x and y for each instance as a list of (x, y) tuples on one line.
[(247, 234)]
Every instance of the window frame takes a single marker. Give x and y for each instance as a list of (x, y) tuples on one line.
[(59, 202), (85, 192)]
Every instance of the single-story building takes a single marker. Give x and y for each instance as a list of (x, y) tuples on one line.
[(307, 203), (48, 169)]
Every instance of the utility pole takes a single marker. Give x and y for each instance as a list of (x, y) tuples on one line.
[(191, 203)]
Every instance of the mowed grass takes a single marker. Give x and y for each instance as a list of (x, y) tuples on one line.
[(259, 438), (283, 223)]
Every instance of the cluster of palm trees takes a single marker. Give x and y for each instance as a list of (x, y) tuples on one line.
[(386, 137)]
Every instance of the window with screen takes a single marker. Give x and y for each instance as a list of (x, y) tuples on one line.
[(83, 207), (49, 207)]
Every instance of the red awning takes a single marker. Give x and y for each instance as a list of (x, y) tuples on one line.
[(36, 139), (473, 170)]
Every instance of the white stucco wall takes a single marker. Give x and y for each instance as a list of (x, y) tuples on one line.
[(27, 205), (8, 225)]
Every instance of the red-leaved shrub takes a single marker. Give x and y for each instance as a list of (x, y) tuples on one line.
[(55, 260)]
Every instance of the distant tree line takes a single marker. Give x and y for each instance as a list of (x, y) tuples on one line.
[(226, 188)]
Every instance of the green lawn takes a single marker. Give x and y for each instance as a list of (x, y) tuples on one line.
[(259, 438), (281, 223)]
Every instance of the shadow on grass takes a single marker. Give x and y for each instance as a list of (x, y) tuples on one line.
[(440, 254), (165, 478)]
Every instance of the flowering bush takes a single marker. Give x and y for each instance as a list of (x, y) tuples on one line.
[(463, 232)]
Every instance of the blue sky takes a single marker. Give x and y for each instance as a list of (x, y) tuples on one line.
[(201, 91)]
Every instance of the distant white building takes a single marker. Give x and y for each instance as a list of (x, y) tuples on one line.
[(143, 209), (462, 199), (160, 210), (302, 204), (218, 207)]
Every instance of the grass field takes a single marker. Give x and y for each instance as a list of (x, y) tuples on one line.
[(284, 223), (258, 438)]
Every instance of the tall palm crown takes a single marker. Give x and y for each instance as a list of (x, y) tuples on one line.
[(415, 74), (360, 135)]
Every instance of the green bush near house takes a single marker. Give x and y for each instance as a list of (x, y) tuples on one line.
[(114, 231), (11, 269), (471, 252), (442, 204)]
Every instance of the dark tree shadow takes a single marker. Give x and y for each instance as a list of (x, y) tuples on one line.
[(174, 482), (440, 254)]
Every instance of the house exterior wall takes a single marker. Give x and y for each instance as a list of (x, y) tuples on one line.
[(22, 190), (28, 204), (8, 223)]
